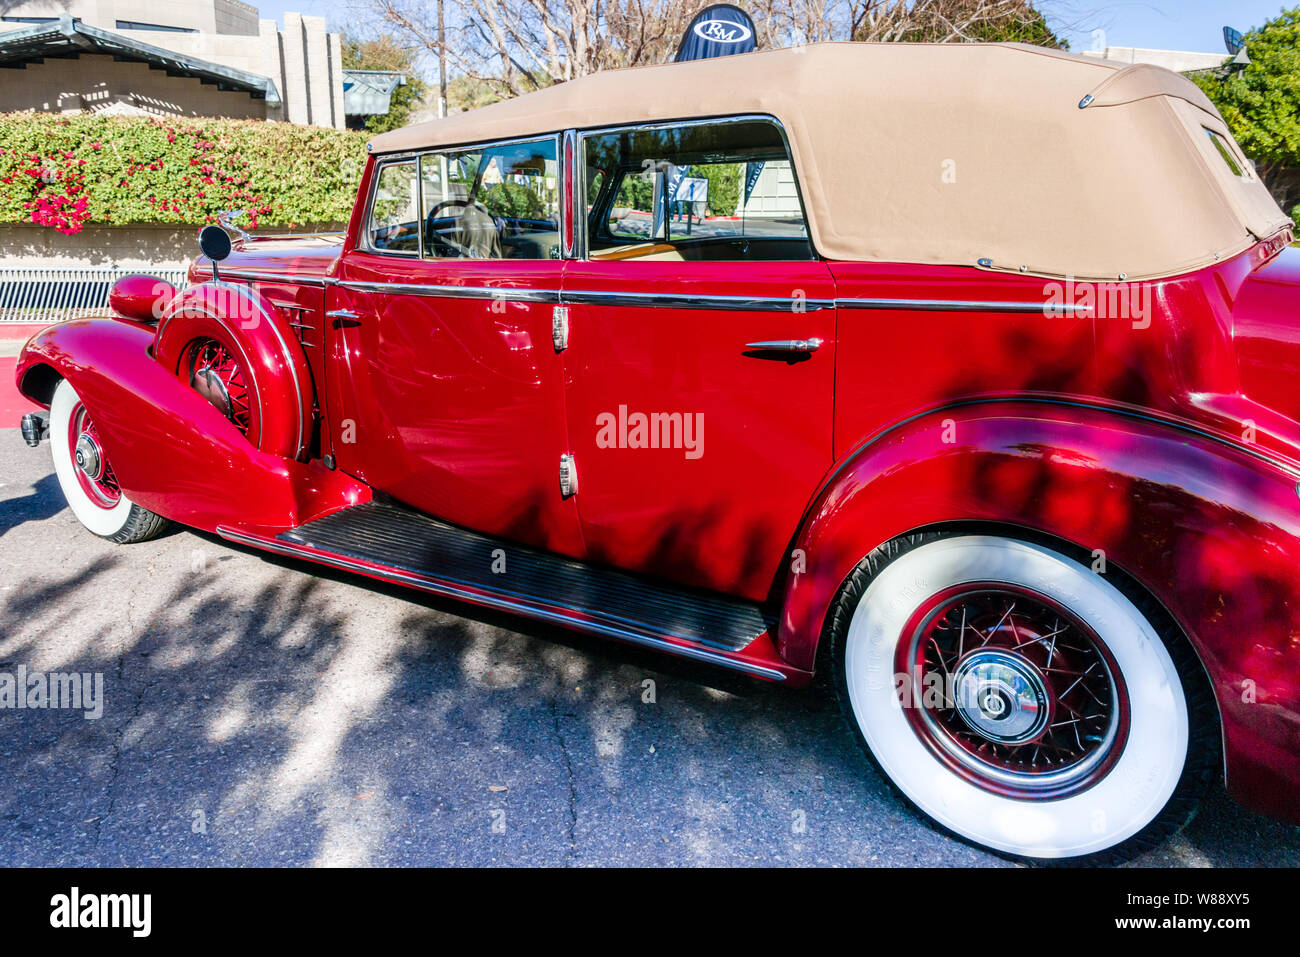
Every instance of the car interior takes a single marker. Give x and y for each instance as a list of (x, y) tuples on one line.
[(712, 191)]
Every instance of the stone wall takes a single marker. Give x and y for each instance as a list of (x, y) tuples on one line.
[(127, 247)]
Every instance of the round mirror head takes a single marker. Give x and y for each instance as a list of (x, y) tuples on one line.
[(215, 243)]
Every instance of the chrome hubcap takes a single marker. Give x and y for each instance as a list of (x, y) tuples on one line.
[(1001, 696), (208, 384), (88, 458), (1032, 703)]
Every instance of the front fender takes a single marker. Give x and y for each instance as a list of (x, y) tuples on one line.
[(1210, 529), (172, 452)]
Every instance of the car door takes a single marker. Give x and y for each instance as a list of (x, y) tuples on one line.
[(700, 357), (449, 394)]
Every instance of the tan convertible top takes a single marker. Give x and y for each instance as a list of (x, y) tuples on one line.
[(950, 154)]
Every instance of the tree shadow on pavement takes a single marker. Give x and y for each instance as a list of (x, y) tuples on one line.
[(264, 711)]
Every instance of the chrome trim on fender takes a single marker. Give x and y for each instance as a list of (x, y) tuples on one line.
[(270, 321), (957, 305), (436, 587), (288, 357), (1172, 424)]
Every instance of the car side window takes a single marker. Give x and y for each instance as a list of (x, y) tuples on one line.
[(495, 202), (714, 190), (394, 225)]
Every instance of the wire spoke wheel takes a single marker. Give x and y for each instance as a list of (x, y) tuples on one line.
[(93, 472), (214, 372), (1020, 700), (1013, 691), (88, 479)]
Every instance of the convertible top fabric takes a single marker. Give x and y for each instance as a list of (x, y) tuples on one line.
[(954, 154)]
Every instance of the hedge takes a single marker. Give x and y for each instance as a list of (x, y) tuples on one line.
[(66, 171)]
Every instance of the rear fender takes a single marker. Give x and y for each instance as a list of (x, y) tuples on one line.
[(1211, 529), (172, 452)]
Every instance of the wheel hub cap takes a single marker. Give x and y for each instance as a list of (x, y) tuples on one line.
[(1001, 696), (208, 384), (1012, 691), (88, 458)]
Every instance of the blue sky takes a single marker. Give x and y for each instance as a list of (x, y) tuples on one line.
[(1162, 24), (1159, 24)]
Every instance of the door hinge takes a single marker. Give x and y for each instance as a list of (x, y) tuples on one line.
[(560, 328), (568, 476)]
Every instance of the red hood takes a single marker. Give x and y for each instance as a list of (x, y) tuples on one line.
[(306, 256)]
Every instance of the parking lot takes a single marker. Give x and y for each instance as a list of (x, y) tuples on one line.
[(259, 711)]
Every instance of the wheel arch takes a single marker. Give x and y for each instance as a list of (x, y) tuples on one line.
[(38, 382), (1208, 530), (145, 416)]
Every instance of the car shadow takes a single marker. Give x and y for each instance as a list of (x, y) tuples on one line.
[(42, 502)]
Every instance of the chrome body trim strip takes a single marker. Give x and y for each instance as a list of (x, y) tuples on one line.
[(506, 293), (682, 301), (668, 300), (436, 587), (958, 305)]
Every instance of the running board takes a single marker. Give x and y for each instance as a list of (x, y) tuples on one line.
[(389, 541)]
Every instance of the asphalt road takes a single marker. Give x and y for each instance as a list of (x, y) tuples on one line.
[(257, 711)]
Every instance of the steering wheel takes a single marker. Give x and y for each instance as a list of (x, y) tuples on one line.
[(465, 252)]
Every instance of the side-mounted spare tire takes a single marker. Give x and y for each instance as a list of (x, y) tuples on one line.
[(233, 347)]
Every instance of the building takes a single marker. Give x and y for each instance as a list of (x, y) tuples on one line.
[(179, 58)]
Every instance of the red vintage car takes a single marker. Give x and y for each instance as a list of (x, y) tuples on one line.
[(964, 372)]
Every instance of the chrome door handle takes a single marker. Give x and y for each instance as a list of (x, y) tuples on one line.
[(785, 345), (344, 318)]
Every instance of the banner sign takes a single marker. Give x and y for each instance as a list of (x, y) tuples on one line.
[(718, 30)]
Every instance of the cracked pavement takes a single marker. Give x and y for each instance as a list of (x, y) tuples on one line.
[(262, 711)]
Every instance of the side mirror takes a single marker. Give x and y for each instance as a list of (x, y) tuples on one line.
[(214, 242), (142, 298)]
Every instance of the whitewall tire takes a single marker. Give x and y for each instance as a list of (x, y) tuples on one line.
[(87, 478), (1020, 700)]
